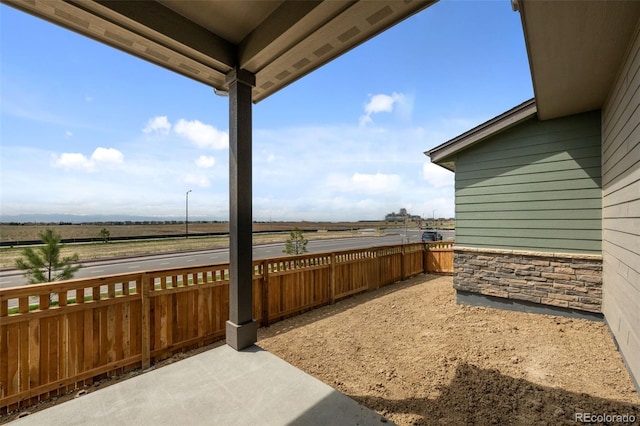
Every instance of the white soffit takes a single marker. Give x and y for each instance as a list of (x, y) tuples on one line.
[(575, 50), (279, 41)]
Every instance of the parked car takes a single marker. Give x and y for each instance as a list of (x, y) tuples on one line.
[(431, 236)]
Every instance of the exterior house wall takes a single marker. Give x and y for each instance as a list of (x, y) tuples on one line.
[(621, 208), (569, 281), (528, 215), (534, 187)]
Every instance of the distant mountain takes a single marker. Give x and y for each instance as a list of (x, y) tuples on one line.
[(73, 218)]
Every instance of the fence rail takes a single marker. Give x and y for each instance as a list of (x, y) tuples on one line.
[(108, 325)]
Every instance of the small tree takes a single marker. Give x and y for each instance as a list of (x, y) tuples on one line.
[(43, 264), (105, 234), (296, 243)]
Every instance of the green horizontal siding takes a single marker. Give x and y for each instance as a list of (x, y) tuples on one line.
[(554, 224), (533, 244), (530, 215), (557, 185), (525, 232), (534, 159), (567, 205), (533, 169), (536, 186), (542, 141), (548, 176), (570, 194)]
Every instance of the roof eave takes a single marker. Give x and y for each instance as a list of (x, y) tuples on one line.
[(278, 41), (487, 129), (575, 50)]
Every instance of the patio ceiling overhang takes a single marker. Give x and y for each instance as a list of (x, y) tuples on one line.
[(575, 49), (279, 41), (249, 49)]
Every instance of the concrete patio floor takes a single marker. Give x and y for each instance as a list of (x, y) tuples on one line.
[(216, 387)]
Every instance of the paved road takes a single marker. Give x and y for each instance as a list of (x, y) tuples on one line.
[(14, 278)]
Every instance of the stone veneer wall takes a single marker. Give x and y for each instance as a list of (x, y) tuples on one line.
[(562, 280)]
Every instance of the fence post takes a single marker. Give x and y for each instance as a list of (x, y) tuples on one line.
[(403, 269), (425, 261), (430, 258), (376, 259), (146, 321), (265, 293), (332, 279)]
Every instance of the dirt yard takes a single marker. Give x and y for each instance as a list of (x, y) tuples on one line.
[(410, 353)]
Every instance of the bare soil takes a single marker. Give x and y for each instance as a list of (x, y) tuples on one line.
[(410, 353)]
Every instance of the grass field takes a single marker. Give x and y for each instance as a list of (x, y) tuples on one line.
[(271, 232), (267, 233), (28, 232), (95, 251)]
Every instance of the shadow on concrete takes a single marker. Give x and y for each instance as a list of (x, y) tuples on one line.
[(479, 396), (218, 387)]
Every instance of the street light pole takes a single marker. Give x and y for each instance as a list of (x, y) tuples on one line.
[(186, 219)]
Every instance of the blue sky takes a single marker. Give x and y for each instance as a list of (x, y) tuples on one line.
[(87, 129)]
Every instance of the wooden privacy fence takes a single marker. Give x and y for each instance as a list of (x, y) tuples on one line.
[(108, 325)]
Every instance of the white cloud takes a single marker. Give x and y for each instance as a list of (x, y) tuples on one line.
[(198, 180), (68, 134), (158, 124), (202, 135), (107, 155), (379, 103), (205, 162), (340, 172), (364, 120), (343, 172), (78, 161), (378, 183), (436, 175), (73, 161)]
